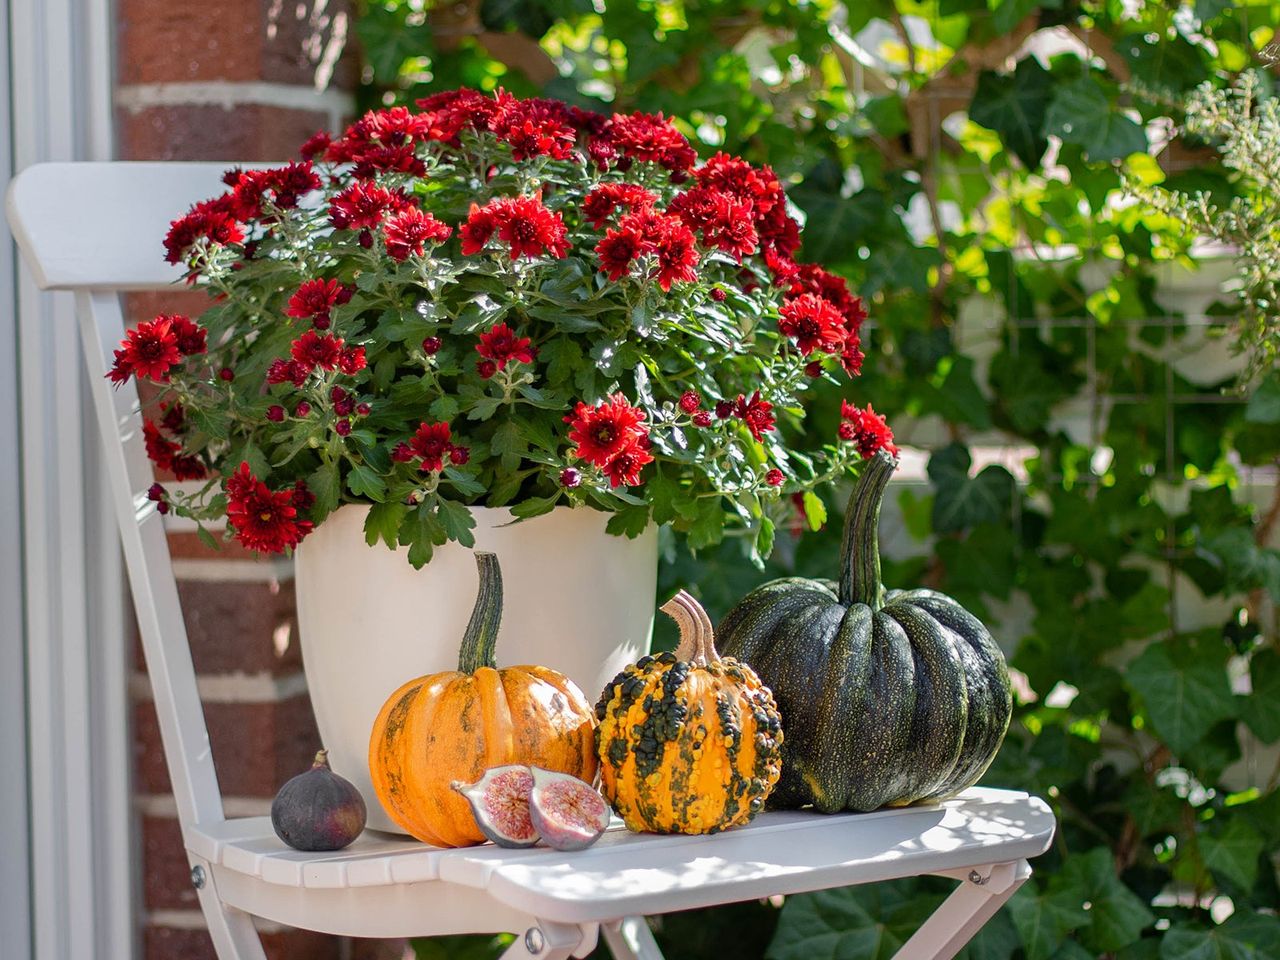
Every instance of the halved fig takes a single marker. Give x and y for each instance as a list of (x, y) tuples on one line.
[(500, 803), (567, 812)]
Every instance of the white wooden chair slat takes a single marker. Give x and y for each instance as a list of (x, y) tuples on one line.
[(95, 229)]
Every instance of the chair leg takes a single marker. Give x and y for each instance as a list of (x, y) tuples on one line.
[(982, 892), (631, 939), (234, 935)]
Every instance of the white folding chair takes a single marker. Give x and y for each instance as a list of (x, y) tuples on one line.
[(95, 229)]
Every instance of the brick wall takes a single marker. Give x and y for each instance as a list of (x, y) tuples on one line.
[(242, 80)]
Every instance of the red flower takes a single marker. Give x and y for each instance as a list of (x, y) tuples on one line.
[(677, 255), (352, 360), (407, 232), (690, 401), (617, 250), (288, 371), (477, 230), (315, 298), (740, 179), (533, 128), (647, 137), (168, 455), (316, 145), (755, 413), (211, 220), (313, 350), (623, 468), (381, 140), (603, 431), (281, 187), (501, 345), (362, 206), (775, 478), (600, 203), (431, 444), (191, 336), (527, 227), (147, 352), (263, 520), (866, 429), (725, 222), (813, 323)]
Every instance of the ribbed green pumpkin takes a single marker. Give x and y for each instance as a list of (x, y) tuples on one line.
[(887, 698)]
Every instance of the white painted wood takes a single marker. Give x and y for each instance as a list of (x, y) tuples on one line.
[(965, 912), (15, 845), (389, 886), (81, 906), (90, 226)]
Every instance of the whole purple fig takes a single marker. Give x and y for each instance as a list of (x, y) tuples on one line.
[(318, 810)]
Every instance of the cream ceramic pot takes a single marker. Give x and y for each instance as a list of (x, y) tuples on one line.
[(576, 599)]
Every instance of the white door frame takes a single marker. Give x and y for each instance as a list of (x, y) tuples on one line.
[(82, 875)]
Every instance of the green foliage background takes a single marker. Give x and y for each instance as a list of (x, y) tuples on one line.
[(971, 191)]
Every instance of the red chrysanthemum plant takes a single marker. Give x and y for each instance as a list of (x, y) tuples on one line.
[(499, 302)]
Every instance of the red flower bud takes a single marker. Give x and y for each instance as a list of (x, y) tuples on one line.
[(155, 492), (569, 477), (724, 409), (336, 394), (702, 418), (813, 368), (431, 346), (227, 374), (690, 401), (162, 508), (459, 455), (775, 478), (302, 409), (486, 368), (363, 409), (343, 427), (275, 413), (718, 295), (344, 407)]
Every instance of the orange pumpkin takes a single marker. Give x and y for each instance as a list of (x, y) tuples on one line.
[(455, 725)]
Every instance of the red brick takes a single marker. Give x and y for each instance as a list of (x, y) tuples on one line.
[(231, 625), (250, 133), (232, 40), (256, 746), (170, 943), (166, 875), (144, 306)]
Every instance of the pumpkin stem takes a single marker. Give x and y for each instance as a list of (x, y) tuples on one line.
[(860, 550), (697, 636), (486, 616), (321, 760)]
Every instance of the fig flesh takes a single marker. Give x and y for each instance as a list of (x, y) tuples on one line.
[(318, 810), (568, 813), (500, 803)]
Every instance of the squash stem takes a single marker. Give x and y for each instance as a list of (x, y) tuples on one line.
[(697, 637), (481, 638), (860, 550)]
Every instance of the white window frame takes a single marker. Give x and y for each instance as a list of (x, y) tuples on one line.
[(71, 887)]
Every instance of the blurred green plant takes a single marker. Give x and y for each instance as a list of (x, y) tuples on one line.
[(963, 163)]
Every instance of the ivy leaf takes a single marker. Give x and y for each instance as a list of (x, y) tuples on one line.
[(1043, 919), (1261, 709), (962, 501), (457, 521), (1011, 12), (1246, 564), (383, 523), (957, 397), (1117, 916), (1245, 936), (1081, 113), (364, 482), (1183, 697), (1233, 853), (863, 922), (1264, 405), (1014, 107)]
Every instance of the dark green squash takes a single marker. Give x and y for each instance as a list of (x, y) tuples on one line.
[(887, 698)]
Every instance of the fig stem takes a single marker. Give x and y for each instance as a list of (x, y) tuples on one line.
[(481, 638), (697, 636)]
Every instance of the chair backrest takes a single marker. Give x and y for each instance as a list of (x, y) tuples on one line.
[(95, 229)]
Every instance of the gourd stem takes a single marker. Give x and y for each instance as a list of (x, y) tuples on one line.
[(486, 616), (860, 550), (697, 636), (322, 759)]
